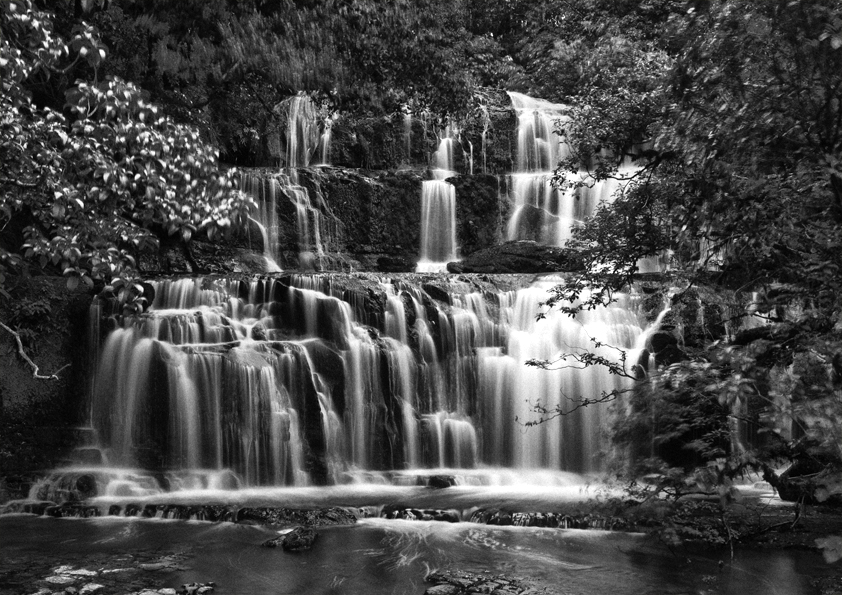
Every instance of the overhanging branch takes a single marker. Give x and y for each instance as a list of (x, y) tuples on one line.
[(22, 352)]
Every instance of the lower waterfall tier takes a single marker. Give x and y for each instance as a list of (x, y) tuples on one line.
[(313, 379)]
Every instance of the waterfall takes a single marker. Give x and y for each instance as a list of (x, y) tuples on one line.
[(543, 212), (294, 380), (302, 131), (315, 225), (265, 193), (438, 211)]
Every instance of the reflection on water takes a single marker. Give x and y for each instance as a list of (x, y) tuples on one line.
[(380, 556)]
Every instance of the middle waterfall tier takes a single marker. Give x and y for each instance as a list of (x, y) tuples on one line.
[(305, 379), (438, 212)]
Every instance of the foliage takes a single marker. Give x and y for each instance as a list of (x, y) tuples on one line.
[(225, 65), (732, 115), (90, 188), (741, 144)]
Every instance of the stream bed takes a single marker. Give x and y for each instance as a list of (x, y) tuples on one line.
[(376, 556)]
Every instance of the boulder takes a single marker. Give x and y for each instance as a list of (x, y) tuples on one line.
[(300, 538), (441, 481), (523, 256)]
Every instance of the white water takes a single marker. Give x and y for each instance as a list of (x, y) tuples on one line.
[(438, 212), (265, 193), (252, 377), (542, 211)]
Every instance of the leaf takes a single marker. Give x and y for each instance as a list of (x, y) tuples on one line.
[(72, 283)]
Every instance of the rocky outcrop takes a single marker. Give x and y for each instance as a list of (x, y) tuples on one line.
[(518, 257), (486, 143), (454, 582)]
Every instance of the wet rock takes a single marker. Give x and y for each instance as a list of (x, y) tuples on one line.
[(455, 582), (441, 481), (518, 257), (274, 542), (299, 539), (91, 589), (395, 264), (196, 588), (318, 517), (440, 294), (132, 510), (484, 587)]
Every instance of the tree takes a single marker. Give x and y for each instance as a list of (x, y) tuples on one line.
[(737, 133), (87, 190)]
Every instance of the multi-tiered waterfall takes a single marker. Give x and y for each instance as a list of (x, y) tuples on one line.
[(306, 379)]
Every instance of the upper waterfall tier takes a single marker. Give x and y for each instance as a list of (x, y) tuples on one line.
[(317, 379), (543, 210)]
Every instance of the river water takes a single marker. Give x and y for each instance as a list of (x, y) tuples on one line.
[(378, 556)]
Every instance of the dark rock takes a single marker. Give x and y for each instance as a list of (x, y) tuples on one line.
[(669, 355), (441, 481), (440, 294), (131, 509), (300, 538), (446, 516), (519, 257), (318, 517), (484, 587), (196, 588), (395, 264), (661, 340)]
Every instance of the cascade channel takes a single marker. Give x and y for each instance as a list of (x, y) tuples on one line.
[(305, 379)]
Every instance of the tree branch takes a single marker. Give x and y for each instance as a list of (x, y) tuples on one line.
[(28, 360)]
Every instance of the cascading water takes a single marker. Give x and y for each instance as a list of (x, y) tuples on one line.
[(265, 192), (315, 226), (438, 212), (543, 212), (291, 381)]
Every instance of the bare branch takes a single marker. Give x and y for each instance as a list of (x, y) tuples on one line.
[(28, 360), (545, 414)]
